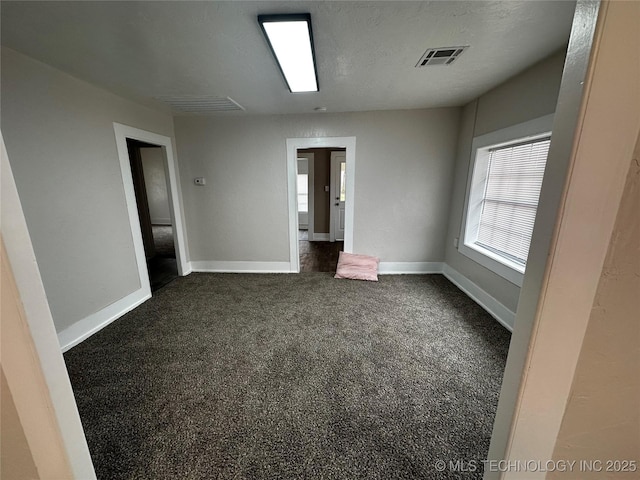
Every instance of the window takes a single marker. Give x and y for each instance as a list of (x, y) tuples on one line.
[(503, 193), (303, 192), (514, 178)]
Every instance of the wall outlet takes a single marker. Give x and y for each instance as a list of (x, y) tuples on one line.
[(455, 242), (199, 181)]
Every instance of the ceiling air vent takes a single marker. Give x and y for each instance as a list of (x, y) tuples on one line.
[(440, 56), (202, 105)]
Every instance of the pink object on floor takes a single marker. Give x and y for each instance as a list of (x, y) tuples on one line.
[(357, 267)]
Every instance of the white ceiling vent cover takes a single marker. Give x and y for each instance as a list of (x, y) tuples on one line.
[(202, 104), (440, 56)]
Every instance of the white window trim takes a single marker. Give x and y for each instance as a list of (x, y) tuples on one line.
[(529, 130)]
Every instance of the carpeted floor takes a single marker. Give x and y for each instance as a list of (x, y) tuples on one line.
[(223, 376)]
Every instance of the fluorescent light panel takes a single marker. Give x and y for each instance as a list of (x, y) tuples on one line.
[(291, 42)]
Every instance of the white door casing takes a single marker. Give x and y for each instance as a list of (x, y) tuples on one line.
[(337, 198), (122, 132), (293, 144), (28, 282)]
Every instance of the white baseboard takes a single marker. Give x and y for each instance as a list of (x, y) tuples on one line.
[(397, 268), (241, 267), (496, 309), (320, 237), (83, 329), (160, 221)]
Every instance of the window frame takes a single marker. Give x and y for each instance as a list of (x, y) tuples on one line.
[(479, 161)]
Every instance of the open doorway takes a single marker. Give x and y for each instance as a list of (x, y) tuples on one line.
[(141, 229), (318, 199), (152, 201), (328, 199)]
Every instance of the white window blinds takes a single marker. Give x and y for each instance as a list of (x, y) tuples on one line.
[(510, 201)]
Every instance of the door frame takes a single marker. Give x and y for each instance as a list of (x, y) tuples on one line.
[(293, 144), (21, 261), (123, 132)]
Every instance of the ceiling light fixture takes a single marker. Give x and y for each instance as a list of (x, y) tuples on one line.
[(291, 42)]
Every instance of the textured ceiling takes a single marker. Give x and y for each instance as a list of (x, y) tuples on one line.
[(366, 51)]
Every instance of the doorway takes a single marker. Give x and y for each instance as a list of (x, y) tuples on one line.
[(315, 248), (152, 201), (172, 180)]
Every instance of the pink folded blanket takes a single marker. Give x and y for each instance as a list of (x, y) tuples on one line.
[(357, 267)]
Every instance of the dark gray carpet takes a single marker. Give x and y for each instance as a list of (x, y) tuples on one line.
[(224, 376)]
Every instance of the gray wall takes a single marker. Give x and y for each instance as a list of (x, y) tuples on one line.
[(60, 140), (529, 95), (404, 170), (155, 183)]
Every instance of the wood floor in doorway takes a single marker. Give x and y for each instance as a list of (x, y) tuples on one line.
[(318, 256), (163, 267)]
